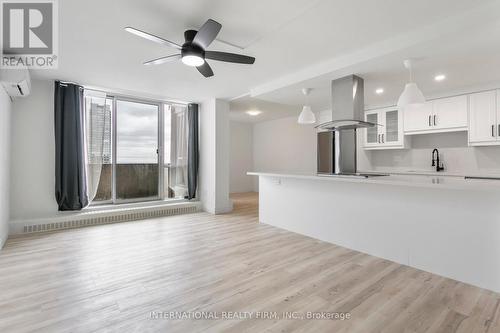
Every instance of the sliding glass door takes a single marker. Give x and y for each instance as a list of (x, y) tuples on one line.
[(137, 162), (142, 146)]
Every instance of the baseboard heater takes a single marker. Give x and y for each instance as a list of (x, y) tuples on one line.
[(102, 217)]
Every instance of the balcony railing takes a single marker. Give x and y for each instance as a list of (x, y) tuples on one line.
[(135, 181)]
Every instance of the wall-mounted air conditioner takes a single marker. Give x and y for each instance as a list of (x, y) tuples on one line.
[(17, 82)]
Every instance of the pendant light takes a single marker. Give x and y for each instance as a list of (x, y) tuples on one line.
[(411, 94), (306, 117)]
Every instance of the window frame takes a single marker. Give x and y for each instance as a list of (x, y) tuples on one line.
[(160, 104)]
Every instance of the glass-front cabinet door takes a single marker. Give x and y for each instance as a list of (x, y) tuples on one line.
[(372, 135), (391, 127), (388, 134)]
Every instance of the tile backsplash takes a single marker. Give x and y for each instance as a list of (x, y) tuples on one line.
[(454, 151)]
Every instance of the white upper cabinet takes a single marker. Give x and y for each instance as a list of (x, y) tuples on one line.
[(450, 113), (372, 135), (477, 113), (498, 114), (484, 117), (389, 133), (437, 116), (393, 130), (418, 118)]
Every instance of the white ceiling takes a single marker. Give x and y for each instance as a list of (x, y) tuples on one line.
[(469, 59), (269, 110), (295, 42), (96, 51)]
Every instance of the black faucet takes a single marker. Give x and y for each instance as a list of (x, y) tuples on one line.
[(435, 160)]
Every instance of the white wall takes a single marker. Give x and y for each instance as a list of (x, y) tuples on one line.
[(33, 155), (32, 166), (283, 145), (454, 152), (214, 156), (5, 130), (241, 157)]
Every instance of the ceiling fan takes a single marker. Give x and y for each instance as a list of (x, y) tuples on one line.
[(193, 51)]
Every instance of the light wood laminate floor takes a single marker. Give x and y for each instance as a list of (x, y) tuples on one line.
[(109, 278)]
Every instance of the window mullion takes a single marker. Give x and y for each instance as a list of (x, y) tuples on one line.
[(113, 152)]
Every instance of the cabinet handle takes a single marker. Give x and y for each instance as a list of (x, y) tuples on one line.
[(378, 138), (498, 131), (493, 130), (383, 138), (430, 120), (434, 120)]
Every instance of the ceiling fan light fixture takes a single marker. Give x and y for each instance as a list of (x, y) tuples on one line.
[(193, 52), (193, 60)]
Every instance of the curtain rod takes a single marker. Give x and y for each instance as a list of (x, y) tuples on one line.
[(136, 96), (133, 96), (65, 83)]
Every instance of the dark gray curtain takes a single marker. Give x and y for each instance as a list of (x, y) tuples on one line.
[(71, 182), (193, 154)]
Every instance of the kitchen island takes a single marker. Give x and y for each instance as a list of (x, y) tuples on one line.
[(445, 225)]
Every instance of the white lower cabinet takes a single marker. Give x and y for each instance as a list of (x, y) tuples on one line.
[(389, 132), (437, 116), (484, 118)]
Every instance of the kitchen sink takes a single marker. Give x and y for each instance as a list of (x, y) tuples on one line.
[(353, 175)]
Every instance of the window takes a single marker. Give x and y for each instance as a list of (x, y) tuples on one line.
[(178, 151), (98, 111), (136, 149), (136, 169)]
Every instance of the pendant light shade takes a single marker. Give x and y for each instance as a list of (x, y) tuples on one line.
[(306, 117), (411, 95)]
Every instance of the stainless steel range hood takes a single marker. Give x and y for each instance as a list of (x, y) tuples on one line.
[(337, 148), (348, 103)]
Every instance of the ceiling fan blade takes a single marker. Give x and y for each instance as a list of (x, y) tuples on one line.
[(163, 60), (207, 33), (152, 38), (205, 70), (229, 57)]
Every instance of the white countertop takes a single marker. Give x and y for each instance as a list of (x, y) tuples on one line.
[(432, 173), (415, 180)]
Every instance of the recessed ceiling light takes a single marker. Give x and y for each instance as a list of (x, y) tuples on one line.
[(253, 113), (439, 77), (379, 91)]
